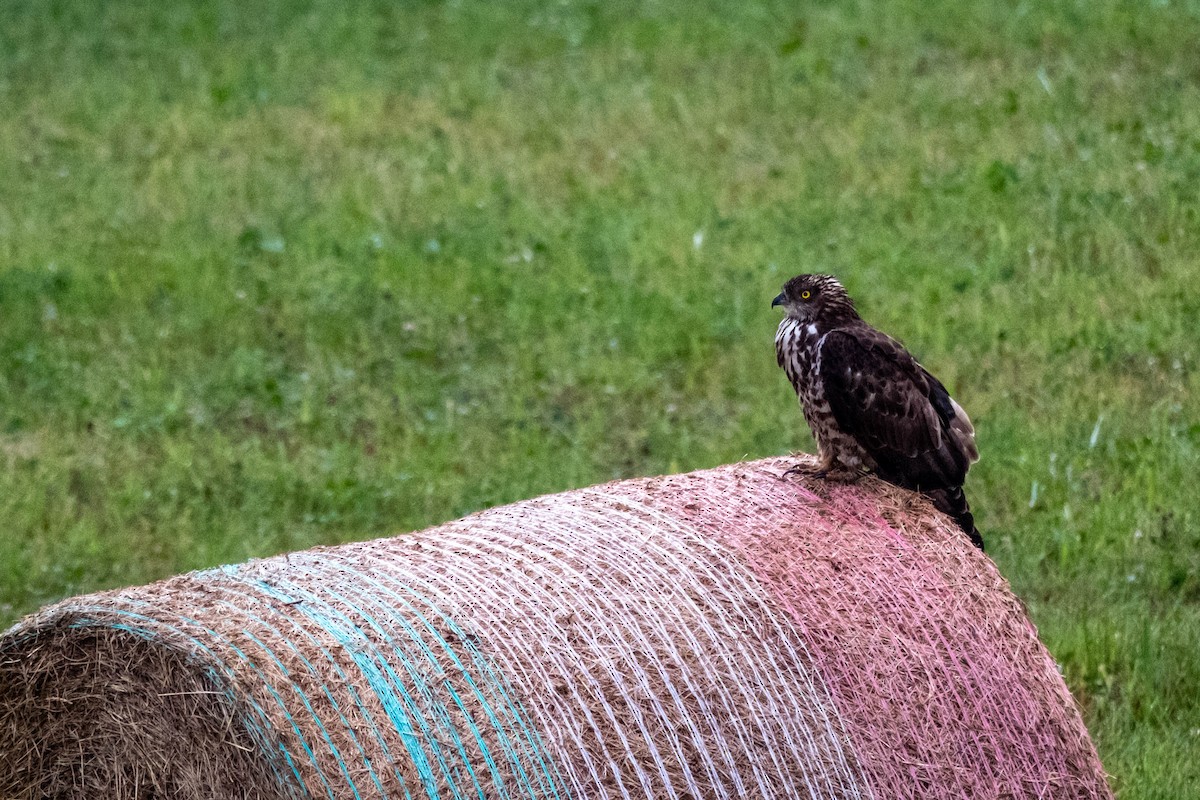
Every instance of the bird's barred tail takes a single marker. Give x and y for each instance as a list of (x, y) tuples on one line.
[(953, 503)]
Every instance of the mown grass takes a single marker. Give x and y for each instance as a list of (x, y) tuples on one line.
[(275, 274)]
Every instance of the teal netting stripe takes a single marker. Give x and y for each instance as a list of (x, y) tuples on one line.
[(519, 741), (455, 714), (329, 696), (372, 665)]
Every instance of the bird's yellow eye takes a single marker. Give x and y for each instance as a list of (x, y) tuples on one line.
[(805, 294)]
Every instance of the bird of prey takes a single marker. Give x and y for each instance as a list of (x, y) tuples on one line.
[(870, 405)]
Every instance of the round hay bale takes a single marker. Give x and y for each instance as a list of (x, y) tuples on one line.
[(721, 634)]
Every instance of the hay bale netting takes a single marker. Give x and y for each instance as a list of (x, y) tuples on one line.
[(722, 634)]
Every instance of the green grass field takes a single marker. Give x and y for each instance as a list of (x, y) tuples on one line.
[(275, 274)]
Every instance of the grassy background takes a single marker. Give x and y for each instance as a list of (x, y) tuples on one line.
[(275, 274)]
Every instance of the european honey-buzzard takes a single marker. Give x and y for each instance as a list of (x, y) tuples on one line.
[(870, 405)]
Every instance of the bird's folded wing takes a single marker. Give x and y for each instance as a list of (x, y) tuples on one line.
[(883, 398)]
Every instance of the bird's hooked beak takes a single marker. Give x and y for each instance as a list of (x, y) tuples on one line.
[(778, 301)]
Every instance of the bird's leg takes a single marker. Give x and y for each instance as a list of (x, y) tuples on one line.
[(819, 470), (829, 469), (840, 473)]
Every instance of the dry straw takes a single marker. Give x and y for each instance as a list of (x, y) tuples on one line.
[(722, 634)]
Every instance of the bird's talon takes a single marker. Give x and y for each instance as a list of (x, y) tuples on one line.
[(805, 469)]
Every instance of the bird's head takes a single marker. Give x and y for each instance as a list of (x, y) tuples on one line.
[(809, 298)]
